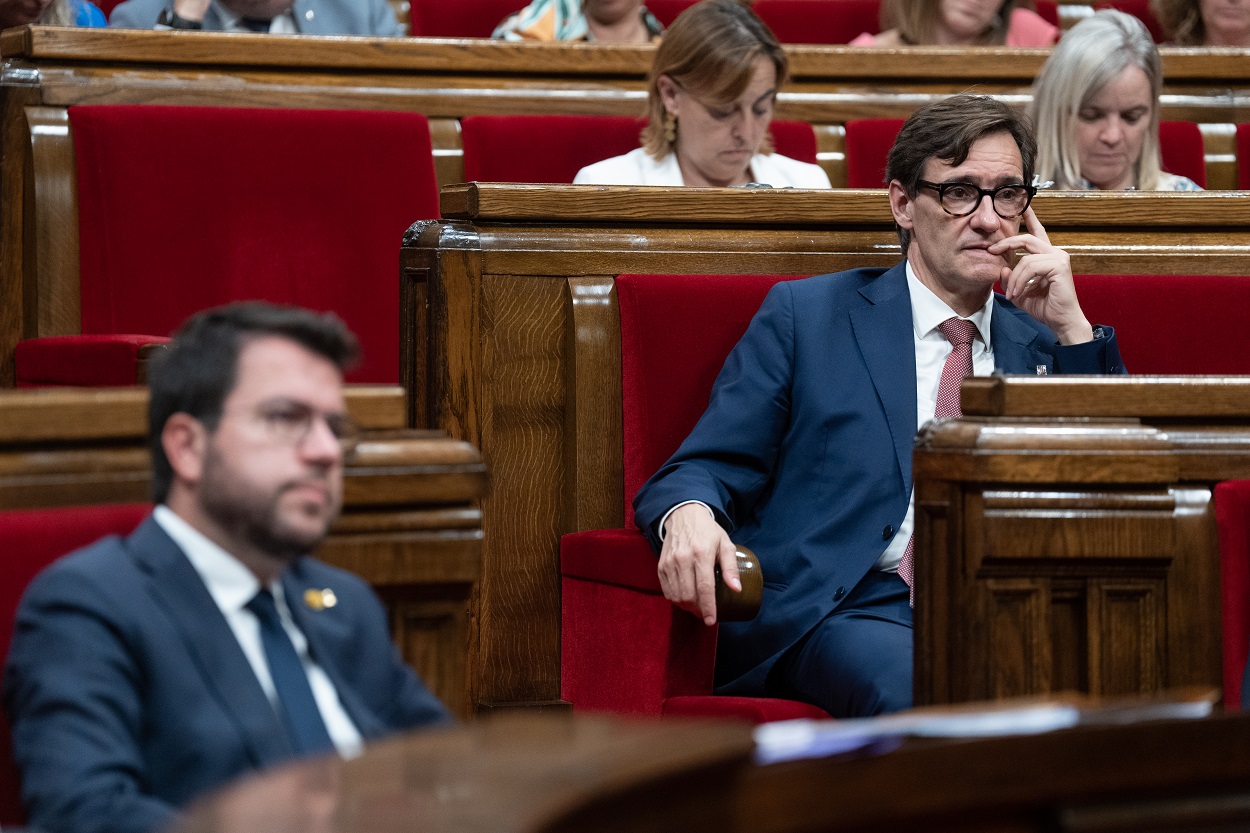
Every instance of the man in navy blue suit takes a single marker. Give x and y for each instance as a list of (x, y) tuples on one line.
[(804, 452), (206, 645)]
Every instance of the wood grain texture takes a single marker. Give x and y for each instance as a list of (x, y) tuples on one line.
[(410, 525), (1058, 551)]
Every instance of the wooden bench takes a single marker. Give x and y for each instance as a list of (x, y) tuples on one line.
[(513, 342)]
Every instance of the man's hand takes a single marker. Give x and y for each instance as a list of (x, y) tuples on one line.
[(1041, 283), (693, 545)]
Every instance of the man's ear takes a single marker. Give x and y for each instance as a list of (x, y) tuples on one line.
[(901, 205), (185, 440)]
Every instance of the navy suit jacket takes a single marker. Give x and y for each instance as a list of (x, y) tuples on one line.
[(804, 453), (129, 694)]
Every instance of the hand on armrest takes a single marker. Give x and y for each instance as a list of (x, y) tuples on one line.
[(699, 567)]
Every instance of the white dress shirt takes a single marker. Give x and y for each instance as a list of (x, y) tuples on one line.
[(232, 586)]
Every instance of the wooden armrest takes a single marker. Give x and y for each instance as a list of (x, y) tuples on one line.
[(741, 607)]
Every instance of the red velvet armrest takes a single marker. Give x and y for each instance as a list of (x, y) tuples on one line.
[(105, 360)]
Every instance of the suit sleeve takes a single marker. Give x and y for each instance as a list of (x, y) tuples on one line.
[(1098, 357), (728, 459), (135, 14), (71, 691)]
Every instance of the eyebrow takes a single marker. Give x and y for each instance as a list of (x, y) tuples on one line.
[(770, 94), (966, 179)]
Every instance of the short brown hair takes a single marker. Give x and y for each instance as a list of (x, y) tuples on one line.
[(946, 130), (710, 51), (917, 20)]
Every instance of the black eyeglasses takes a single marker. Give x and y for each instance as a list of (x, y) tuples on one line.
[(960, 199)]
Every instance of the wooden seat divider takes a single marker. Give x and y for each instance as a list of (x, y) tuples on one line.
[(410, 526), (512, 342)]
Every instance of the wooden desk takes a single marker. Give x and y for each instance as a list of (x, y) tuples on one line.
[(543, 774), (1066, 535), (409, 524), (512, 342)]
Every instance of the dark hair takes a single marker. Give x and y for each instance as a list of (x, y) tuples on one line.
[(947, 130), (197, 371)]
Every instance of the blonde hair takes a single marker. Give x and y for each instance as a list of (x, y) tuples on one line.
[(917, 21), (710, 51), (1182, 20), (1089, 56)]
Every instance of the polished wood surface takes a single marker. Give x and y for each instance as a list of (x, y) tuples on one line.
[(1066, 535), (410, 526), (521, 350), (503, 774), (544, 773)]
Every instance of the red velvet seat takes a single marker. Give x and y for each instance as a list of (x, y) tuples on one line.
[(182, 208), (1047, 10), (1232, 515), (460, 18), (1139, 9), (819, 21), (624, 648), (1172, 324), (666, 11), (30, 541), (542, 148), (868, 143), (1183, 151)]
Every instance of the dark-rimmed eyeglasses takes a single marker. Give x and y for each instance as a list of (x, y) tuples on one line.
[(959, 199)]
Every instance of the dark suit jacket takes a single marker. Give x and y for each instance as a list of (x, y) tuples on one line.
[(804, 453), (129, 694), (313, 17)]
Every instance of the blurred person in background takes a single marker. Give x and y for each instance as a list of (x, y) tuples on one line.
[(600, 21), (958, 23), (710, 100), (50, 13), (1096, 109), (1204, 22)]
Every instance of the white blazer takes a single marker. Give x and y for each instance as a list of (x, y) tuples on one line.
[(638, 168)]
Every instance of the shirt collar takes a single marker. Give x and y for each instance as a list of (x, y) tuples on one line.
[(928, 311), (231, 584)]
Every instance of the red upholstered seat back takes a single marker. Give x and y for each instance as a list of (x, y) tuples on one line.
[(666, 11), (1183, 152), (1047, 10), (1173, 324), (676, 331), (107, 6), (1232, 514), (868, 143), (182, 208), (1139, 9), (30, 541), (1243, 156), (459, 18), (819, 21), (542, 148)]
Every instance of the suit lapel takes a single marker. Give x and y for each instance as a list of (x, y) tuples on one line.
[(324, 630), (883, 330), (178, 588), (1016, 348)]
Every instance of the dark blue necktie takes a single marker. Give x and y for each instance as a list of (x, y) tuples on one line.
[(295, 697)]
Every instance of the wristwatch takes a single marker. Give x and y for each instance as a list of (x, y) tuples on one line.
[(168, 17)]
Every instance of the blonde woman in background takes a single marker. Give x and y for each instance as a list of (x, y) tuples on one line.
[(1096, 109), (710, 100), (959, 23), (1204, 22)]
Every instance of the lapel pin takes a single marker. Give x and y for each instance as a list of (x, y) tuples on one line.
[(1041, 370), (319, 600)]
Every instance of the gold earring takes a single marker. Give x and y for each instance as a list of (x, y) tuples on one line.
[(670, 128)]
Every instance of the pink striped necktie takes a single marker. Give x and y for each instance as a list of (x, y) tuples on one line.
[(959, 332)]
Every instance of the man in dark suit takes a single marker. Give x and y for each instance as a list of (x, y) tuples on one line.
[(206, 645), (804, 452)]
